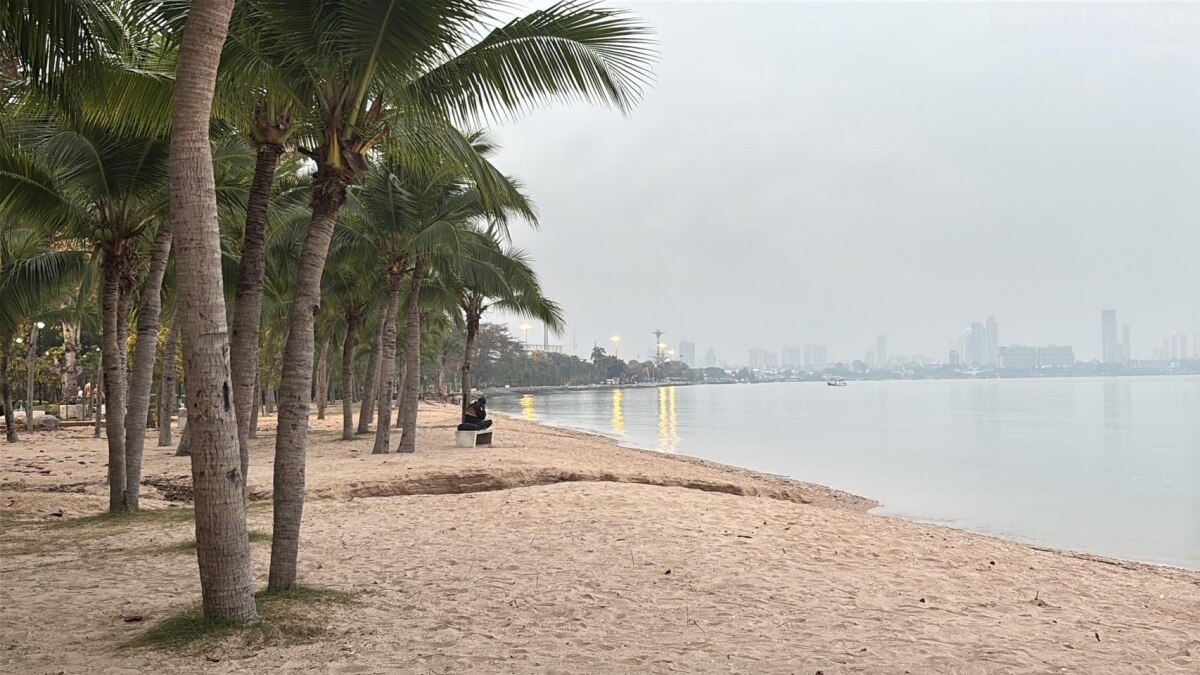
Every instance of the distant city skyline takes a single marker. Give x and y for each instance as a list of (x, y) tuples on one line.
[(980, 344), (1031, 179)]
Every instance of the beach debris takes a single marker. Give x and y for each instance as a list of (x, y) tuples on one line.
[(212, 659), (922, 600), (667, 572), (58, 514), (1097, 634), (136, 618), (744, 536)]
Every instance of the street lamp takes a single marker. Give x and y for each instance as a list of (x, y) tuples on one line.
[(616, 340), (525, 327)]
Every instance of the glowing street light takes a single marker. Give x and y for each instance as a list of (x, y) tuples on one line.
[(525, 327), (616, 340)]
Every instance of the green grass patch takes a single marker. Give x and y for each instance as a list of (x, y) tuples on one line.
[(297, 616), (189, 546), (120, 518)]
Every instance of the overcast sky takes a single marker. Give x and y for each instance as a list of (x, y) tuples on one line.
[(805, 173)]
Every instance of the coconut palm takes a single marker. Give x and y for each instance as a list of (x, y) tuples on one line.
[(35, 274), (514, 288), (97, 186), (419, 222), (393, 73), (222, 542)]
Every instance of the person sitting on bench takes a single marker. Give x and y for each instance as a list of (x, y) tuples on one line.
[(475, 416)]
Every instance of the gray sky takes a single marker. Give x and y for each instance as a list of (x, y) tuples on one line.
[(827, 172)]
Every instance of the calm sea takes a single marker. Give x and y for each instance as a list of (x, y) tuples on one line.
[(1102, 465)]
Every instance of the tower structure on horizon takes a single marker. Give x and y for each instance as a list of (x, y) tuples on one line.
[(658, 344)]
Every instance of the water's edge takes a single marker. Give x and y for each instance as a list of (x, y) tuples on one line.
[(875, 511)]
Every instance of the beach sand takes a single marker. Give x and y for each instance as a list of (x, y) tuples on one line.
[(556, 551)]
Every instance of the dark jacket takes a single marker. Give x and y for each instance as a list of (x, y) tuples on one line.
[(476, 412)]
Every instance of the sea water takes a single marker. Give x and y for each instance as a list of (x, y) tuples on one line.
[(1109, 466)]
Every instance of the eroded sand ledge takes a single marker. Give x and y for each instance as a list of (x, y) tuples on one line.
[(610, 560)]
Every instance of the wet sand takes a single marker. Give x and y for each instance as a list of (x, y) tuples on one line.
[(555, 551)]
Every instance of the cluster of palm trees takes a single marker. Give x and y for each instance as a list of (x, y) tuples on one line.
[(319, 161)]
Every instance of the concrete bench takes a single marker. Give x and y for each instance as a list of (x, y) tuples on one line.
[(470, 439)]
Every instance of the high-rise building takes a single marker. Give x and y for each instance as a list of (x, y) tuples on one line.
[(791, 357), (1110, 340), (687, 353), (770, 360), (977, 345), (710, 359), (815, 356), (955, 358), (1126, 349), (993, 342), (881, 350), (756, 359)]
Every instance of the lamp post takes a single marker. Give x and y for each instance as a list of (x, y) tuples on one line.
[(525, 327), (616, 340)]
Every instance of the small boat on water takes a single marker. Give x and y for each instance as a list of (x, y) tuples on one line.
[(835, 382)]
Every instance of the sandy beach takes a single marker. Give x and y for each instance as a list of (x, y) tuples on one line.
[(555, 551)]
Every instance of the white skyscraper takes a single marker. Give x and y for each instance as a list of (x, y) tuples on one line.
[(881, 350)]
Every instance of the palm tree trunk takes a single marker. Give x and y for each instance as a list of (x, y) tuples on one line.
[(247, 308), (30, 371), (69, 368), (323, 378), (401, 397), (10, 420), (371, 385), (143, 365), (222, 542), (114, 379), (99, 394), (291, 438), (167, 386), (270, 400), (353, 318), (468, 354), (387, 368), (255, 405), (412, 353)]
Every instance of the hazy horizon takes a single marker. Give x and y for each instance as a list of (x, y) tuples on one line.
[(811, 173)]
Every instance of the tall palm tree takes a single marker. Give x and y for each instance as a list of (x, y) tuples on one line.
[(35, 274), (222, 542), (513, 287), (99, 186), (394, 73)]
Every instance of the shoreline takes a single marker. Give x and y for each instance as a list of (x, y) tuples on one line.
[(871, 501), (604, 559)]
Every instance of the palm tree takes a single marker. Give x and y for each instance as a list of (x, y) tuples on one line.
[(393, 73), (35, 272), (512, 287), (222, 542), (93, 184), (418, 220)]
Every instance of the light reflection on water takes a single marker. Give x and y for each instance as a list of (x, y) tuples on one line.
[(528, 412), (668, 421), (618, 414), (1108, 466)]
